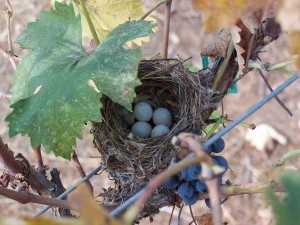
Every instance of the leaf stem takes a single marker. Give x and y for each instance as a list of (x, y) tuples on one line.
[(89, 21), (154, 8), (215, 126), (223, 66), (166, 28), (287, 156)]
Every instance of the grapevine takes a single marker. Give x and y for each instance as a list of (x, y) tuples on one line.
[(155, 121)]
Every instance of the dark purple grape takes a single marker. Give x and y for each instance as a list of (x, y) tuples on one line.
[(208, 150), (172, 182), (218, 146), (201, 187), (194, 171), (185, 190), (184, 174), (192, 200), (221, 161), (207, 202)]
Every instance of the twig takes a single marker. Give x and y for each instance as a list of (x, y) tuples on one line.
[(72, 188), (38, 156), (271, 89), (25, 197), (166, 29), (192, 214), (214, 197), (154, 8), (133, 211), (287, 156), (89, 21), (223, 66), (170, 220), (10, 52), (81, 171), (179, 214)]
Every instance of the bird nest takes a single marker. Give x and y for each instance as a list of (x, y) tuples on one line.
[(132, 162)]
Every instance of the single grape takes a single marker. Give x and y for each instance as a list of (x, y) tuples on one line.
[(159, 130), (141, 129), (207, 202), (201, 187), (192, 200), (184, 174), (172, 182), (143, 111), (208, 150), (221, 161), (194, 132), (194, 171), (185, 190), (162, 116), (218, 146)]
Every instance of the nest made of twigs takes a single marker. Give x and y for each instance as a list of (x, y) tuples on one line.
[(133, 162)]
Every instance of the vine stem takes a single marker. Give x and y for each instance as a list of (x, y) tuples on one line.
[(223, 66), (166, 28), (89, 21), (72, 188), (287, 156), (80, 170), (154, 8), (25, 197)]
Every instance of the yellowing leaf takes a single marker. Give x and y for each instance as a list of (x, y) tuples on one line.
[(289, 18), (90, 212), (107, 14), (294, 39), (222, 13), (40, 221)]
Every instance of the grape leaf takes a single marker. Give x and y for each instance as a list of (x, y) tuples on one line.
[(286, 210), (107, 14), (54, 116)]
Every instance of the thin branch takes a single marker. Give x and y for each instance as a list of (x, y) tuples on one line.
[(154, 8), (79, 168), (167, 28), (25, 197), (89, 21), (72, 188), (271, 89), (287, 156), (192, 214), (8, 16), (38, 156), (171, 216)]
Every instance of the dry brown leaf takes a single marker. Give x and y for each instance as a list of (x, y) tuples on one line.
[(205, 219), (223, 13), (236, 39), (220, 46), (252, 20)]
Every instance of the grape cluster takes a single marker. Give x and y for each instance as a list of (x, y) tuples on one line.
[(187, 183)]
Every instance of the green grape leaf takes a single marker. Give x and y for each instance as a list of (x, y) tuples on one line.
[(52, 92), (286, 210)]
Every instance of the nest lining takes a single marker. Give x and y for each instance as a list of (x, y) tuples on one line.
[(132, 162)]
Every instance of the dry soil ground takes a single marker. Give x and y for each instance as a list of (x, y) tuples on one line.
[(186, 39)]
